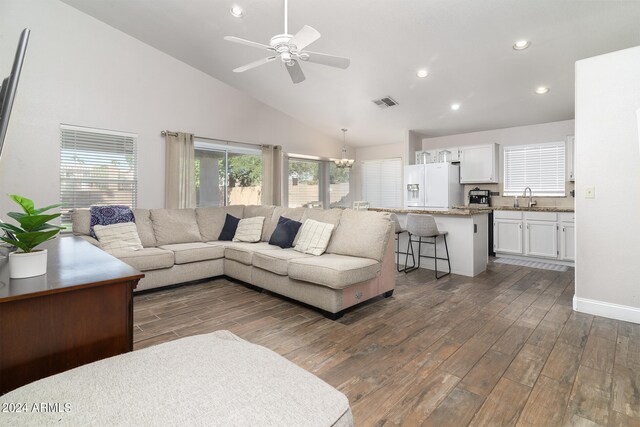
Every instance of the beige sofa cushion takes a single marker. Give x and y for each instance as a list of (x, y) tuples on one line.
[(145, 259), (243, 252), (194, 252), (277, 261), (329, 216), (314, 237), (251, 211), (175, 226), (81, 221), (332, 270), (211, 220), (145, 227), (362, 234)]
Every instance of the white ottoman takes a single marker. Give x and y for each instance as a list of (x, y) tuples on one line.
[(215, 379)]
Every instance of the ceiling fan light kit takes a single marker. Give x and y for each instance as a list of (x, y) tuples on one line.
[(344, 162), (290, 49)]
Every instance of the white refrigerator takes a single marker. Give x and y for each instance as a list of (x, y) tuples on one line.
[(433, 186)]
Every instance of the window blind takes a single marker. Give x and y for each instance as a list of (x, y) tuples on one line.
[(382, 183), (97, 167), (539, 166)]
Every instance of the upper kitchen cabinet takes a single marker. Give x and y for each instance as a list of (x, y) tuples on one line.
[(571, 158), (479, 164)]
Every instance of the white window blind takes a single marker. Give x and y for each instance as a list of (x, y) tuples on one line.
[(539, 166), (382, 183), (97, 167)]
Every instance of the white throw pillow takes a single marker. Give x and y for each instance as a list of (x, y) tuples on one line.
[(314, 237), (118, 236), (249, 230)]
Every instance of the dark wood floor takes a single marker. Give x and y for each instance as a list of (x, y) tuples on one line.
[(504, 348)]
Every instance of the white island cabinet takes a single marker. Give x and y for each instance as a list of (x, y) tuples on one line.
[(479, 164)]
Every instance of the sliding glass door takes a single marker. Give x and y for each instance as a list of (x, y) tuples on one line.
[(227, 175), (304, 182)]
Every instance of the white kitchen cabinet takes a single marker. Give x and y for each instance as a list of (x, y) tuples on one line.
[(541, 238), (571, 158), (567, 237), (479, 164), (507, 236)]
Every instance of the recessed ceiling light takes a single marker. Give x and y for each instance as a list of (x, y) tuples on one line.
[(455, 107), (422, 73), (236, 11), (542, 90), (521, 44)]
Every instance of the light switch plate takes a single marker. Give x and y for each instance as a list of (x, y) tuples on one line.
[(590, 192)]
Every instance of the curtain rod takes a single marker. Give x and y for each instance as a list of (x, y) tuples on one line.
[(166, 132)]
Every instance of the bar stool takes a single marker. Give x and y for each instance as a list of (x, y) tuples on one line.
[(398, 230), (424, 227)]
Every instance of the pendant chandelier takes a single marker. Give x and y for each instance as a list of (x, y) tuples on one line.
[(344, 162)]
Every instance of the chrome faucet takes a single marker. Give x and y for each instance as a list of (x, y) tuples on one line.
[(531, 201)]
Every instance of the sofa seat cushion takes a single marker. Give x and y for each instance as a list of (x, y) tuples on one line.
[(145, 259), (332, 270), (194, 252), (243, 251), (277, 261)]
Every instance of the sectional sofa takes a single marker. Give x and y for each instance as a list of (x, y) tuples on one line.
[(180, 245)]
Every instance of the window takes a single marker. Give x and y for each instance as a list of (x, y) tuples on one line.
[(317, 181), (97, 167), (227, 174), (339, 186), (382, 183), (304, 182), (539, 166)]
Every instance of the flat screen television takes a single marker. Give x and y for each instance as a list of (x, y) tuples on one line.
[(10, 85)]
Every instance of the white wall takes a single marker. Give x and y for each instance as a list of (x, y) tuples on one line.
[(608, 226), (545, 132), (80, 71)]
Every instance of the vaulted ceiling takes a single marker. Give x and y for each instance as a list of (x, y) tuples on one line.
[(466, 45)]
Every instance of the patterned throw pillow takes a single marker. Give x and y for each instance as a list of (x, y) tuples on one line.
[(107, 215), (118, 236), (249, 230), (314, 237)]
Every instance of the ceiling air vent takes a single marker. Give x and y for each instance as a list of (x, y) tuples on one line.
[(385, 102)]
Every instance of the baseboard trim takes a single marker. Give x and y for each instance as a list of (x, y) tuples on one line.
[(607, 309)]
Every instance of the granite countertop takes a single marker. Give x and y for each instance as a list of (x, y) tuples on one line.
[(522, 208), (462, 211)]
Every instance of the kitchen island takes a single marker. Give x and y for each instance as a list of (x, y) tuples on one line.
[(467, 239)]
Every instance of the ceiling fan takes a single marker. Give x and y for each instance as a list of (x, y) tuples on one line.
[(290, 50)]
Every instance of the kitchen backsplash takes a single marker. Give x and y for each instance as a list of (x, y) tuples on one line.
[(560, 202)]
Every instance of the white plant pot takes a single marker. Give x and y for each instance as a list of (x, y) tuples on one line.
[(30, 264)]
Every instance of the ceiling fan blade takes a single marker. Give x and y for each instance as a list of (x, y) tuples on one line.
[(324, 59), (247, 42), (305, 37), (254, 64), (295, 72)]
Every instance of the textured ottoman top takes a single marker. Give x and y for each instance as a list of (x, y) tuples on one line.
[(213, 379)]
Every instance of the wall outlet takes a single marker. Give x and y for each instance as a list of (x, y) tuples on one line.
[(590, 192)]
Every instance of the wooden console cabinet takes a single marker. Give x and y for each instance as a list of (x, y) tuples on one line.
[(79, 312)]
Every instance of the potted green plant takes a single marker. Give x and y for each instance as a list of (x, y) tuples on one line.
[(33, 229)]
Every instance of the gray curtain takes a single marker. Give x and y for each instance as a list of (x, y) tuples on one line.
[(271, 175), (180, 187)]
